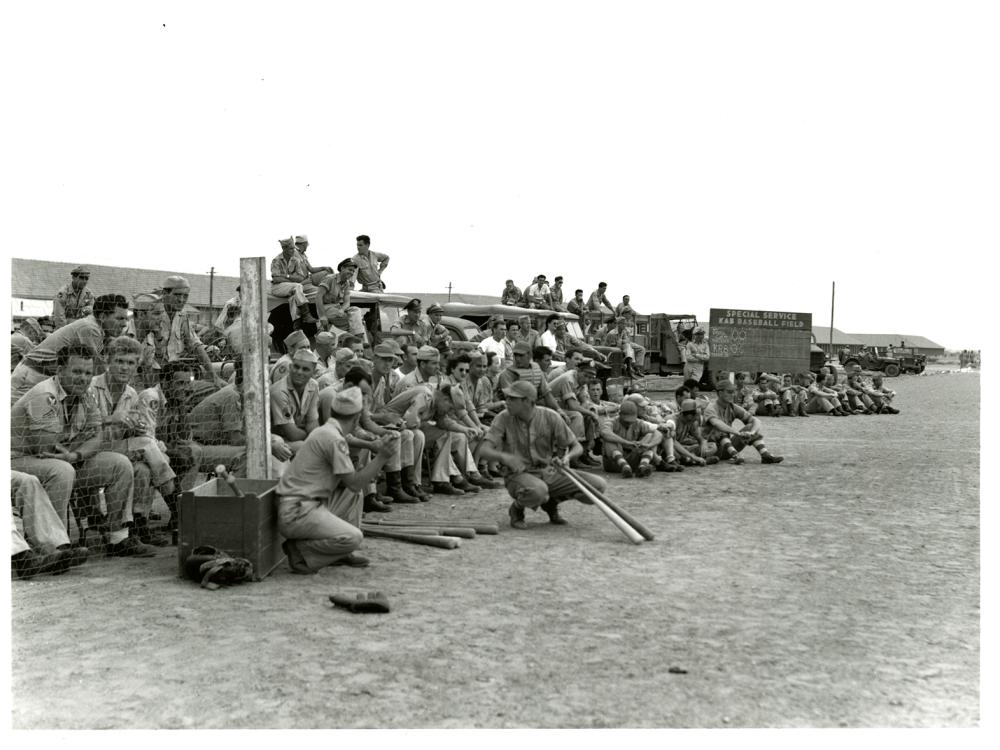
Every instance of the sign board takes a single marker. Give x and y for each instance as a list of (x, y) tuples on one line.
[(759, 340)]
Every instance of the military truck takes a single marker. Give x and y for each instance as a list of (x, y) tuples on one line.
[(909, 359), (873, 358)]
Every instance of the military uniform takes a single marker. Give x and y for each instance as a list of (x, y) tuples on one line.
[(211, 422), (41, 362), (69, 305), (299, 288), (335, 303), (369, 272)]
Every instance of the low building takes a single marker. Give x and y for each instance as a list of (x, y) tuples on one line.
[(841, 340), (922, 345)]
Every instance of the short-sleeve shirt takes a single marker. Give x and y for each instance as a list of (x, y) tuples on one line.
[(46, 408), (127, 402), (384, 388), (421, 330), (369, 275), (315, 468), (727, 413), (86, 331), (634, 431), (533, 375), (280, 368), (182, 338), (536, 441), (294, 268), (504, 354), (216, 416), (485, 392), (69, 305), (288, 407), (566, 387), (595, 300), (412, 379), (510, 296), (337, 293)]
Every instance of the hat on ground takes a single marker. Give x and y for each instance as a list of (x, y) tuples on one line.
[(347, 402), (384, 350), (428, 354), (697, 330), (296, 337), (345, 355), (435, 308), (80, 271), (325, 337), (628, 411), (689, 405), (305, 355), (413, 304), (521, 347), (521, 389), (176, 282)]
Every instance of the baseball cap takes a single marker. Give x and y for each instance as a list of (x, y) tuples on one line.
[(80, 271), (521, 389), (522, 347), (628, 411), (428, 354), (689, 405), (296, 337), (345, 263)]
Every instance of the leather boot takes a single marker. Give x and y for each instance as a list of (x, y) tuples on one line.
[(146, 535), (395, 489), (552, 509), (411, 485), (372, 505)]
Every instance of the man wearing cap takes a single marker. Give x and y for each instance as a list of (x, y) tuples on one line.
[(335, 306), (428, 366), (73, 301), (531, 442), (182, 340), (525, 369), (28, 335), (720, 416), (343, 361), (556, 295), (107, 321), (629, 444), (152, 329), (538, 295), (370, 265), (325, 346), (695, 355), (570, 392), (438, 333), (294, 341), (301, 243), (291, 277), (55, 435), (689, 441), (320, 494), (411, 327), (496, 343), (510, 295), (295, 400)]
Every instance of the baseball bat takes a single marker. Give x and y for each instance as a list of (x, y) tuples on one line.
[(477, 526), (627, 517), (633, 536), (444, 542), (220, 471), (463, 532)]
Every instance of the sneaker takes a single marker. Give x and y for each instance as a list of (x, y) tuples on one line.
[(130, 547), (737, 460), (767, 458), (353, 560), (516, 514), (626, 471)]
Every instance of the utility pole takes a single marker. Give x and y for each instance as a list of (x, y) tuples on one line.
[(211, 288), (833, 296), (449, 291)]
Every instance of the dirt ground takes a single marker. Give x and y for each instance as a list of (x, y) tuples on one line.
[(840, 588)]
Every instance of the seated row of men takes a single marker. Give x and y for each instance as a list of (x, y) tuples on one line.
[(805, 394)]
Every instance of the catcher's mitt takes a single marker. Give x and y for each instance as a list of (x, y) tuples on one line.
[(215, 568)]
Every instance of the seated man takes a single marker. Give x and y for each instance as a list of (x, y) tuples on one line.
[(532, 442), (821, 399), (295, 401), (56, 437), (438, 333), (294, 341), (794, 394), (39, 543), (411, 328), (530, 372), (125, 433), (629, 443), (343, 360), (488, 404), (335, 307), (766, 400), (464, 411), (689, 441), (320, 493), (538, 296), (21, 343), (510, 295), (882, 396), (291, 277), (497, 343), (722, 414), (216, 429), (428, 366), (570, 393), (744, 392)]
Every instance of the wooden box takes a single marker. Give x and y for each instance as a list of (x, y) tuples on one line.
[(210, 514)]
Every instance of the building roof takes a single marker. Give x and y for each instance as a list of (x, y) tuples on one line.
[(428, 298), (41, 279), (822, 334), (897, 339)]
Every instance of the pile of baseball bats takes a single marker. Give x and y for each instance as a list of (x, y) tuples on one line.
[(635, 531), (446, 534)]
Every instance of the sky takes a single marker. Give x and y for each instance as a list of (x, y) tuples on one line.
[(691, 155)]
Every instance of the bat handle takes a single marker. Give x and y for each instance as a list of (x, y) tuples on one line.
[(224, 474)]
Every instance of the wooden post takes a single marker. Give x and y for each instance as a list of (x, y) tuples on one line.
[(256, 383)]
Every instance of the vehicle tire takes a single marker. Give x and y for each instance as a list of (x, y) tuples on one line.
[(921, 369), (851, 361), (892, 371)]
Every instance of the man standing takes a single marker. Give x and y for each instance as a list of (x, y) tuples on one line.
[(107, 321), (531, 442), (370, 265), (696, 355), (291, 278), (56, 436), (73, 301), (320, 493), (182, 341), (720, 416)]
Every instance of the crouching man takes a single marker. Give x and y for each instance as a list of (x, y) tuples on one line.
[(320, 494), (531, 443), (720, 416)]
